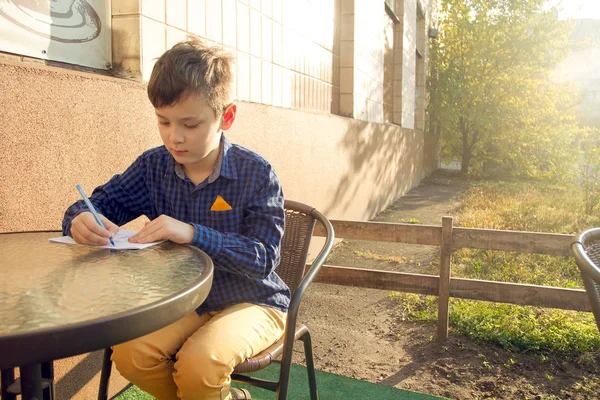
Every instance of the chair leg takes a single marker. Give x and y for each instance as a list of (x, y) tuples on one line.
[(7, 377), (285, 370), (310, 366), (105, 375)]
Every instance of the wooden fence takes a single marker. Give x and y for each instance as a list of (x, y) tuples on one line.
[(449, 239)]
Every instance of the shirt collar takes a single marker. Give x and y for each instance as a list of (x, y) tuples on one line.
[(226, 160), (224, 166)]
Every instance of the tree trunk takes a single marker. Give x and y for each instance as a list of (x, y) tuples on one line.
[(466, 154), (464, 167)]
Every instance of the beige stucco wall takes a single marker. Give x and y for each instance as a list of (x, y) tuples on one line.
[(59, 128)]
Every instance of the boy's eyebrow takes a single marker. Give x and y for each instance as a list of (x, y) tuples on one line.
[(182, 119)]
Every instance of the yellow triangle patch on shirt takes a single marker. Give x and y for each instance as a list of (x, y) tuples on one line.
[(220, 205)]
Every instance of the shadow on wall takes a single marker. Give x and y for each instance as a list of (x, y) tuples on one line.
[(383, 159), (431, 151)]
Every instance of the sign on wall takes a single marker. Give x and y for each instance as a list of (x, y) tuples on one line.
[(71, 31)]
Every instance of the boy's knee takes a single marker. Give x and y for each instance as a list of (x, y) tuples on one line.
[(200, 371), (135, 357)]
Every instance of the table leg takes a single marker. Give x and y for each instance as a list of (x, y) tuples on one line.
[(48, 376), (7, 378), (31, 382)]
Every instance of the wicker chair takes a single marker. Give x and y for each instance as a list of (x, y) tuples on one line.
[(586, 250), (299, 224)]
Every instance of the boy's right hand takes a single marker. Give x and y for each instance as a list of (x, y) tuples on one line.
[(85, 229)]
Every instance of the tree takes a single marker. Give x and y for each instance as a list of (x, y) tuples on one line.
[(589, 170), (491, 98)]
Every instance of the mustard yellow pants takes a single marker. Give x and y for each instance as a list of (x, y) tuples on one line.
[(207, 349)]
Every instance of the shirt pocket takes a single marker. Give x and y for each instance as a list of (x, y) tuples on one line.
[(227, 221)]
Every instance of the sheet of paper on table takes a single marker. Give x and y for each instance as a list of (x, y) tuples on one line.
[(120, 240)]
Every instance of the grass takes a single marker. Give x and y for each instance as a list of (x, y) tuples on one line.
[(527, 206), (378, 257), (389, 259)]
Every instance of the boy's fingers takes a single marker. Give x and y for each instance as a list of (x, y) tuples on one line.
[(153, 237), (111, 226), (94, 227), (84, 236), (140, 233), (149, 233), (149, 227)]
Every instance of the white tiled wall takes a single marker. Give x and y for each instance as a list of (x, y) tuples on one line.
[(278, 53), (409, 59), (420, 74), (370, 46), (367, 51), (340, 56), (196, 17)]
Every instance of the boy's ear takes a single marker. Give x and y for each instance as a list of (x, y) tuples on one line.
[(228, 116)]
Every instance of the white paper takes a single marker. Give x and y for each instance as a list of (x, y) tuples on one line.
[(121, 242)]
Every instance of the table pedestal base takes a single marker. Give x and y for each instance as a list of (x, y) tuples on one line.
[(36, 382)]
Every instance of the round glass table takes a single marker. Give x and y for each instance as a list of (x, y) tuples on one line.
[(59, 300)]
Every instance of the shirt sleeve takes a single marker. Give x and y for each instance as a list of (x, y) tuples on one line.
[(122, 199), (256, 252)]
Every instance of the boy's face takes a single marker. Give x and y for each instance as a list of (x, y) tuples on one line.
[(190, 130)]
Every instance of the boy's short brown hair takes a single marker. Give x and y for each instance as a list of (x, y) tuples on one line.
[(192, 67)]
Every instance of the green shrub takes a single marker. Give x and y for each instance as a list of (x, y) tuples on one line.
[(524, 206), (521, 328)]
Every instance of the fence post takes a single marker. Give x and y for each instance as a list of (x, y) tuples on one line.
[(444, 287)]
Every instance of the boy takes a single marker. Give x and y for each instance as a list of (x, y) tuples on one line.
[(200, 189)]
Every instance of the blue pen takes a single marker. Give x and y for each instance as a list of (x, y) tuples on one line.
[(93, 210)]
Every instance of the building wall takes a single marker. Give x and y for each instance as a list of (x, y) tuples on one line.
[(60, 128), (409, 63), (87, 127), (281, 60), (337, 63), (363, 58)]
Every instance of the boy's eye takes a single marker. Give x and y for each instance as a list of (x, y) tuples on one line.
[(191, 126), (163, 123)]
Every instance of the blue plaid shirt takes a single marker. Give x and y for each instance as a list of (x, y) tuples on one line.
[(243, 242)]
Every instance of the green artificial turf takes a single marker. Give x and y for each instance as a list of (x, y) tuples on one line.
[(330, 387)]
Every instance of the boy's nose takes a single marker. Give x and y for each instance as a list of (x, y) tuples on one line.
[(177, 135)]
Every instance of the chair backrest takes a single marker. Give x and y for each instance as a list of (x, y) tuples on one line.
[(299, 225), (586, 250)]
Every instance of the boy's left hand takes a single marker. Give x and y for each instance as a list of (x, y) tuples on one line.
[(164, 228)]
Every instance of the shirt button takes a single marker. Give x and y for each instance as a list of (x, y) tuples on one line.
[(195, 194)]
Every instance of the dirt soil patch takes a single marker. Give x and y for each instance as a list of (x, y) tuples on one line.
[(360, 333)]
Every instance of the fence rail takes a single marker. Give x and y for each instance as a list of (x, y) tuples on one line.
[(449, 239)]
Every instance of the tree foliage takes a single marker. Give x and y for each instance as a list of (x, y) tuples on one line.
[(589, 169), (491, 99)]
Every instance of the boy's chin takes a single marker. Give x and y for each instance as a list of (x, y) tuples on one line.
[(182, 158)]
